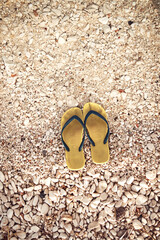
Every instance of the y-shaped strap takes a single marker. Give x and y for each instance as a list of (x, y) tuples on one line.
[(99, 115), (66, 124)]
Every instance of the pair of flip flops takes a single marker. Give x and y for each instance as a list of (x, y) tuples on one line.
[(75, 124)]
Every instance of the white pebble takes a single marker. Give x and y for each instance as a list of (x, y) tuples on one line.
[(44, 209), (2, 178), (130, 180), (35, 200), (34, 229), (151, 175), (21, 234), (93, 225), (137, 224), (26, 122), (1, 185), (9, 213), (103, 20), (61, 40), (141, 199), (68, 228), (101, 186), (150, 146)]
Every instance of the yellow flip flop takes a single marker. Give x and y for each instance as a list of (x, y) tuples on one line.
[(72, 135), (97, 129)]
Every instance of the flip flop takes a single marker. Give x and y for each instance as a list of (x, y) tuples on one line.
[(72, 135), (97, 129)]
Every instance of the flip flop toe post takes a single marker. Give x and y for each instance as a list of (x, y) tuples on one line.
[(72, 135)]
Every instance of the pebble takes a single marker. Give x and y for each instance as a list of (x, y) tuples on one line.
[(101, 186), (151, 147), (135, 188), (122, 181), (103, 196), (143, 184), (93, 225), (1, 185), (9, 213), (2, 178), (26, 122), (151, 175), (130, 180), (86, 200), (44, 209), (71, 102), (103, 20), (4, 221), (61, 41), (137, 224), (34, 229), (21, 234), (53, 196), (95, 203), (141, 199), (68, 228), (35, 200)]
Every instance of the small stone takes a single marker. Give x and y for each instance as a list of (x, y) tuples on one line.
[(103, 196), (4, 222), (143, 184), (95, 203), (71, 102), (128, 195), (137, 224), (114, 94), (1, 185), (57, 12), (106, 29), (26, 209), (35, 200), (107, 174), (2, 178), (27, 218), (68, 228), (130, 180), (122, 181), (120, 212), (61, 40), (34, 229), (93, 225), (151, 175), (47, 181), (103, 20), (53, 196), (150, 146), (9, 213), (101, 186), (141, 199), (63, 236), (86, 200), (55, 229), (26, 122), (66, 217), (135, 188), (21, 234), (14, 186), (44, 209)]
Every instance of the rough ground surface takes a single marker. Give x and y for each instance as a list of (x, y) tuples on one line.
[(59, 54)]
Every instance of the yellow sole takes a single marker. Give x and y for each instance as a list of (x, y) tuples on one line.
[(97, 129), (72, 136)]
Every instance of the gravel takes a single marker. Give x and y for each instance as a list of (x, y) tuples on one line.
[(61, 54)]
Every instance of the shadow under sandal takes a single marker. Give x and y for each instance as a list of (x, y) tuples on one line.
[(97, 129), (72, 135)]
